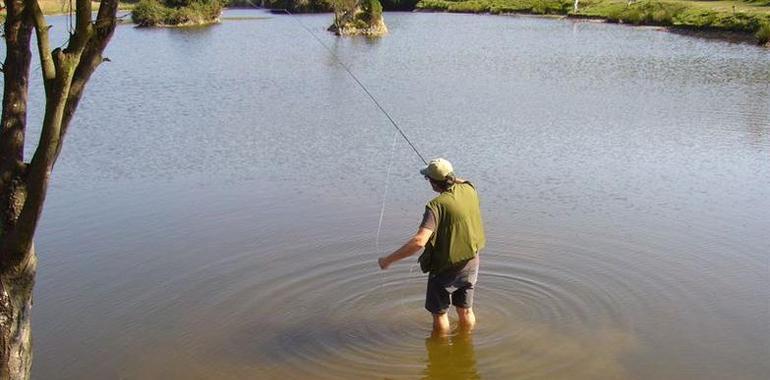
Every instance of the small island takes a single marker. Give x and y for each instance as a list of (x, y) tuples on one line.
[(358, 17), (175, 13)]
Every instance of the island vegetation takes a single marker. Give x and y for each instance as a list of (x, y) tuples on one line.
[(351, 17), (358, 17), (176, 12)]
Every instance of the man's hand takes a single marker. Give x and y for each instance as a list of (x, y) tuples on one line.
[(416, 243)]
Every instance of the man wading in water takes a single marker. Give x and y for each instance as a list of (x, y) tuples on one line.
[(452, 234)]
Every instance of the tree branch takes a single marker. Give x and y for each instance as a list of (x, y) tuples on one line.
[(18, 32), (82, 27), (43, 45), (73, 67), (91, 58)]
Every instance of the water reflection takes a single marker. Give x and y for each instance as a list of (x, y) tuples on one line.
[(451, 357)]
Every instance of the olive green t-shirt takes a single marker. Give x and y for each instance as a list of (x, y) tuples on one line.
[(459, 231)]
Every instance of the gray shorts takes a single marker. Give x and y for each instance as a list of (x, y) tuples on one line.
[(452, 287)]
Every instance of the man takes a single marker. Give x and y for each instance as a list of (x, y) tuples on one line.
[(452, 234)]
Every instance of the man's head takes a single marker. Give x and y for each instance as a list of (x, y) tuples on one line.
[(440, 174)]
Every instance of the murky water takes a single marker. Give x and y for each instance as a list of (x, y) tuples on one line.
[(215, 209)]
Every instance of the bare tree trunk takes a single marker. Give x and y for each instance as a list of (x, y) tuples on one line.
[(15, 311)]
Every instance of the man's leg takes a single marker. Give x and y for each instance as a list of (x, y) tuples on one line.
[(440, 324), (466, 317), (462, 298), (437, 303)]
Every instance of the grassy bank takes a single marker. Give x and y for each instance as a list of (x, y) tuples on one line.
[(57, 7), (739, 16)]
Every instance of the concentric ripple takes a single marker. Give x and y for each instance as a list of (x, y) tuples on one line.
[(230, 234)]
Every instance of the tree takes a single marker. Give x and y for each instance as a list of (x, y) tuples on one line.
[(23, 184), (343, 9)]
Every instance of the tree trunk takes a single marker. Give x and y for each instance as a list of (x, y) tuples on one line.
[(15, 329), (23, 186)]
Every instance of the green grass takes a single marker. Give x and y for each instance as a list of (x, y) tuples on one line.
[(742, 16), (498, 6)]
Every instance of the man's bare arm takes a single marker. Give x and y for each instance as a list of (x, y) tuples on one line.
[(414, 244)]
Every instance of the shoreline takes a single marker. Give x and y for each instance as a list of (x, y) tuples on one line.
[(745, 22), (679, 17), (728, 34), (705, 33)]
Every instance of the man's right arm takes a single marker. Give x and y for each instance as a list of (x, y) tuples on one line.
[(414, 244)]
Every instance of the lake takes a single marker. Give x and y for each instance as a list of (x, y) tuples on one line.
[(215, 210)]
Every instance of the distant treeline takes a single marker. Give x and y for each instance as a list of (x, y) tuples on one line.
[(316, 5)]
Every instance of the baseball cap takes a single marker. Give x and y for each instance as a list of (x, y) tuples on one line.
[(438, 169)]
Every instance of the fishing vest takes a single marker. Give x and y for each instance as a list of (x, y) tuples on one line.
[(459, 233)]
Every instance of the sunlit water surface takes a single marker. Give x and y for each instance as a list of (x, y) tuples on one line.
[(214, 213)]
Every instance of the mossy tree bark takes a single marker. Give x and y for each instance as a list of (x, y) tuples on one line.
[(23, 185)]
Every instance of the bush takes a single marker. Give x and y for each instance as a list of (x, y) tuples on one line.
[(175, 12), (437, 5), (149, 13), (763, 34), (472, 6), (294, 6), (662, 17), (372, 10), (398, 5)]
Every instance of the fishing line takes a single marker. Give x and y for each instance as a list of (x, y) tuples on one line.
[(379, 223), (392, 122), (393, 145), (385, 193), (360, 84)]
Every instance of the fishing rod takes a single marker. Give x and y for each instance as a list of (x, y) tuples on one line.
[(355, 78)]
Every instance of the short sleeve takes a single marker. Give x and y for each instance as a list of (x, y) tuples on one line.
[(428, 220)]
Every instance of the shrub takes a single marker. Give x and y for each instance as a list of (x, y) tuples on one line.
[(372, 10), (763, 34), (149, 13), (472, 6), (662, 17), (175, 12)]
